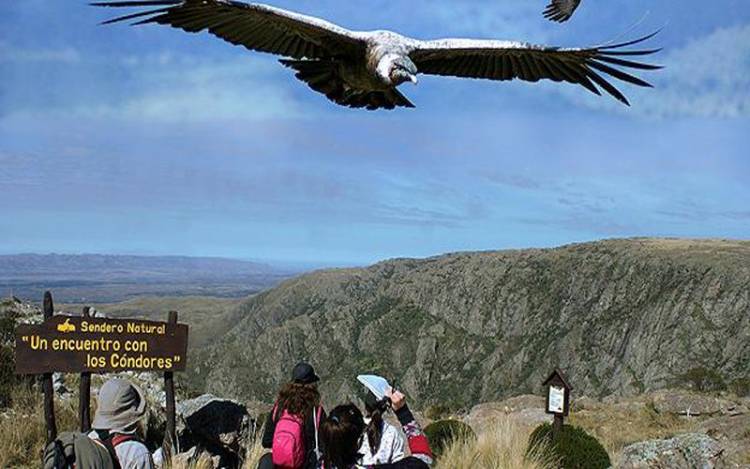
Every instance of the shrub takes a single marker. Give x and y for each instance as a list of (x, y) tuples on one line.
[(500, 444), (575, 448), (441, 433), (740, 387), (703, 379), (8, 378), (437, 411), (7, 375)]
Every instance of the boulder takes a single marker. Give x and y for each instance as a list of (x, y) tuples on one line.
[(58, 384), (584, 403), (692, 404), (221, 427), (734, 434), (527, 410), (194, 458), (688, 451)]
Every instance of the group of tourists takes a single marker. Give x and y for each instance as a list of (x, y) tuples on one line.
[(301, 435), (298, 432)]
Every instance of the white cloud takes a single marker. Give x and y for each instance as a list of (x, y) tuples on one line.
[(166, 87), (9, 53), (492, 19), (188, 89), (708, 77)]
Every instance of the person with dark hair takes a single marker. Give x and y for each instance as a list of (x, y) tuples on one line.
[(342, 433), (291, 430), (383, 442)]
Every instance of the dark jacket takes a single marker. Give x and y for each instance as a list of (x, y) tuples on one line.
[(267, 441)]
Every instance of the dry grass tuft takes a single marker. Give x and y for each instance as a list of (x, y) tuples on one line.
[(203, 461), (22, 429), (254, 452), (502, 445)]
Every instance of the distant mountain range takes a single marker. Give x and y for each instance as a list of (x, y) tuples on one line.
[(619, 316), (110, 278)]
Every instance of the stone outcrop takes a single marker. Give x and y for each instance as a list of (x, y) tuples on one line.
[(218, 426), (526, 410), (693, 404), (688, 451), (734, 434)]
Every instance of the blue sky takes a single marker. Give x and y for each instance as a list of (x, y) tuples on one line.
[(152, 141)]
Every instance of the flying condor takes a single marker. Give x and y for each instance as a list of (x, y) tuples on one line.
[(363, 69)]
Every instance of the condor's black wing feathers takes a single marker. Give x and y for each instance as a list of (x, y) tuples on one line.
[(506, 60), (257, 27)]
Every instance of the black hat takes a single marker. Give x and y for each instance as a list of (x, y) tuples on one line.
[(372, 403), (303, 373)]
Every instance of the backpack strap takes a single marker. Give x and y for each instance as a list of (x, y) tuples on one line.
[(112, 442), (317, 412), (112, 453), (276, 412), (120, 438)]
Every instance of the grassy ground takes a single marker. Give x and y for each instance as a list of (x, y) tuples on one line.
[(22, 430), (618, 426), (501, 445)]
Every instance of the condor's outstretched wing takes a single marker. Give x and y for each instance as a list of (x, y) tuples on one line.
[(257, 27), (561, 10), (505, 60)]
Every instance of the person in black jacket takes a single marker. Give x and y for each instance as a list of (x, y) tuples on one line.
[(299, 397)]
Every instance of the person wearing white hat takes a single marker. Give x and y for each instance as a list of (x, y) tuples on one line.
[(121, 407)]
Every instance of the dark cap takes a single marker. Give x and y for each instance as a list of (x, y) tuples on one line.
[(303, 373)]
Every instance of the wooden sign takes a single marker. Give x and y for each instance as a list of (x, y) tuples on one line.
[(558, 394), (76, 344)]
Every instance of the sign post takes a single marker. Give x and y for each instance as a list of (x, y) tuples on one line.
[(170, 437), (84, 393), (558, 400), (49, 397), (86, 345)]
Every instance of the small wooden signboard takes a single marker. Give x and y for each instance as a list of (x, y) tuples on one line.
[(558, 399), (86, 345)]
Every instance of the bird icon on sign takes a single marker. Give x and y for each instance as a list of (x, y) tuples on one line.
[(66, 327)]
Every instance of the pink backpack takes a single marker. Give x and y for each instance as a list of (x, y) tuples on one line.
[(288, 450)]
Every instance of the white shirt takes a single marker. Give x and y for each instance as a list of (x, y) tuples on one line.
[(391, 447), (131, 454)]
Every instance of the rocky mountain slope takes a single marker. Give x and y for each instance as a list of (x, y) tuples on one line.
[(619, 316)]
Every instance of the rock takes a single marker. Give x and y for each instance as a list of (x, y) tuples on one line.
[(734, 434), (219, 426), (691, 404), (194, 458), (583, 403), (58, 384), (527, 410), (688, 451)]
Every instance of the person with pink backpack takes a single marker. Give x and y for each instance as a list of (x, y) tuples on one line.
[(291, 430)]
